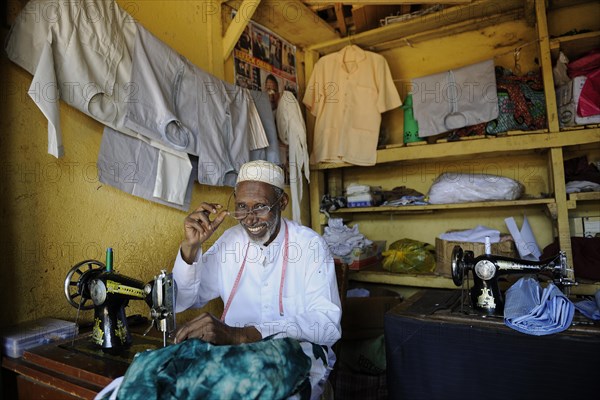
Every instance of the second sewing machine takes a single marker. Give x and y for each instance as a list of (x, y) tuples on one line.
[(93, 284)]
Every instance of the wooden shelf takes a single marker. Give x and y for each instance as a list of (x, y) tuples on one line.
[(574, 46), (585, 196), (389, 278), (547, 148), (443, 23), (439, 282), (434, 207), (490, 145)]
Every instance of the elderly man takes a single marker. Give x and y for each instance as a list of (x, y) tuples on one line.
[(275, 276)]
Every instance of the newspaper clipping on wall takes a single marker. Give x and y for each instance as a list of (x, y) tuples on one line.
[(264, 61)]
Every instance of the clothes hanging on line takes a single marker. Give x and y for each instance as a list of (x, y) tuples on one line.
[(93, 64), (138, 168), (191, 110)]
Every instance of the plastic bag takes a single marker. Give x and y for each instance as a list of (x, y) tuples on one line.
[(463, 188), (409, 256)]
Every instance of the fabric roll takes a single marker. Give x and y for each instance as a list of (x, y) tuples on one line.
[(538, 311)]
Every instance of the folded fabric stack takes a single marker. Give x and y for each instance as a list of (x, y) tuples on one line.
[(363, 195), (578, 90), (342, 239), (538, 311)]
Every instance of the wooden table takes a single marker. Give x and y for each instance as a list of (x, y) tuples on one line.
[(71, 369), (437, 348)]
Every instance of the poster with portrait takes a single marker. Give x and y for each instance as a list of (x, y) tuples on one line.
[(264, 61)]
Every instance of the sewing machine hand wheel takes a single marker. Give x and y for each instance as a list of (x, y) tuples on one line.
[(457, 265), (76, 283)]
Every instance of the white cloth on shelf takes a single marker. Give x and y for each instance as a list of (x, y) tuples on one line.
[(341, 239), (582, 186), (475, 235)]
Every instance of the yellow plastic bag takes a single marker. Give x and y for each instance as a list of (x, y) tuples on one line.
[(409, 256)]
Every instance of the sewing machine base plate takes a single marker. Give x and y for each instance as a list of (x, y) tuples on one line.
[(84, 344)]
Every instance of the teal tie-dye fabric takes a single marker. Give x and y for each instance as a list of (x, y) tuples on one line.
[(193, 369)]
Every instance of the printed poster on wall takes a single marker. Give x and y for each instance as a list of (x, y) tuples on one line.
[(264, 61)]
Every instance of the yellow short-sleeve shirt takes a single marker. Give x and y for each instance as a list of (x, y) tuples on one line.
[(347, 93)]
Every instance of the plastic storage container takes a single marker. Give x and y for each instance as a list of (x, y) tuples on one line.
[(18, 338)]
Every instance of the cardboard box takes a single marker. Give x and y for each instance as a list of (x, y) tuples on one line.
[(584, 226), (362, 317), (443, 251), (363, 258), (567, 98)]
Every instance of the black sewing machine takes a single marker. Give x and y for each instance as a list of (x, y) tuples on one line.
[(92, 284), (487, 268)]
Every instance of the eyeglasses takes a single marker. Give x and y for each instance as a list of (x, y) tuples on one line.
[(241, 212)]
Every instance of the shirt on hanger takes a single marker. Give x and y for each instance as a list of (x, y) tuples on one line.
[(292, 131), (347, 93)]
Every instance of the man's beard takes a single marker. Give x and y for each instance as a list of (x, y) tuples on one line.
[(261, 240)]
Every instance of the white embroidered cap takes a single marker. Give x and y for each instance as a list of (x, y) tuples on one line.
[(262, 171)]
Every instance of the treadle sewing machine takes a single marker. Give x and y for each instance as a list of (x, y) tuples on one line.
[(487, 268), (92, 284)]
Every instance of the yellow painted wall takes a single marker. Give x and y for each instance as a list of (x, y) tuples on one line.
[(56, 213)]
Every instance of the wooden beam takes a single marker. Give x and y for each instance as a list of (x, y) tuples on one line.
[(237, 26), (339, 14), (481, 9), (292, 20), (546, 63), (562, 212)]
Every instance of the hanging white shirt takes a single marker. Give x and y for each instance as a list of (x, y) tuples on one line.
[(292, 131)]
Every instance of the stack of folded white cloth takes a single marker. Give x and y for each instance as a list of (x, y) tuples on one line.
[(341, 239), (363, 195)]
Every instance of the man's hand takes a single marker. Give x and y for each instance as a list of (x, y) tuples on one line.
[(198, 227), (210, 329)]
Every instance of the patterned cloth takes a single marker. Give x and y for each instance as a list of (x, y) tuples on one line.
[(193, 369), (522, 105)]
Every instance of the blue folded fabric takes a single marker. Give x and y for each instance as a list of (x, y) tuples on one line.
[(590, 308), (538, 311)]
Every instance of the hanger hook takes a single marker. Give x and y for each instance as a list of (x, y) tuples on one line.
[(517, 57)]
